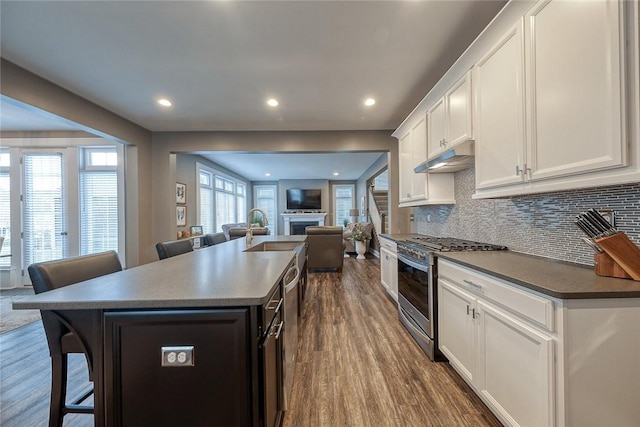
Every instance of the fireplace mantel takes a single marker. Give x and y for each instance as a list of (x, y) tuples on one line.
[(301, 217)]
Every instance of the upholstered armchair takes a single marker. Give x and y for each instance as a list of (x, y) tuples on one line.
[(349, 245), (325, 248)]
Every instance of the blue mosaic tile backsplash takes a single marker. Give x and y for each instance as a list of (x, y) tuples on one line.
[(540, 224)]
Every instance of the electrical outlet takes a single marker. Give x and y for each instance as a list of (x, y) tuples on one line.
[(610, 216), (177, 356)]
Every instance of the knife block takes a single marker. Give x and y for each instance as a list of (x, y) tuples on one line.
[(606, 266), (622, 252)]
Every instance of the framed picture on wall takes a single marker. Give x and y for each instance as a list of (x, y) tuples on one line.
[(196, 230), (181, 216), (181, 193)]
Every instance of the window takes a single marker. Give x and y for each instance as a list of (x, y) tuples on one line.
[(99, 201), (5, 209), (343, 202), (264, 197), (206, 201), (222, 200)]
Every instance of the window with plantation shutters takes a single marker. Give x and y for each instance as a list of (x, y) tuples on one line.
[(221, 199), (206, 201), (99, 201), (44, 214), (344, 201), (265, 198), (5, 209)]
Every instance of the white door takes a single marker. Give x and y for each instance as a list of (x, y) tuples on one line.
[(44, 217), (456, 309), (499, 116), (515, 368)]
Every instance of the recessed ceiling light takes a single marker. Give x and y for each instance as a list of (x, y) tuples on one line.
[(336, 174), (369, 102), (165, 102), (273, 102), (267, 174)]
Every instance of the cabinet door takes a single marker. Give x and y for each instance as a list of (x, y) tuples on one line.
[(456, 327), (148, 383), (436, 128), (406, 171), (389, 272), (515, 368), (458, 112), (574, 87), (499, 112), (419, 155)]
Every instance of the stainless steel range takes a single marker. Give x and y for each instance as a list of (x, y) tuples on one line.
[(417, 279)]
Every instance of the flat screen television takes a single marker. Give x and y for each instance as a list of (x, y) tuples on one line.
[(299, 199)]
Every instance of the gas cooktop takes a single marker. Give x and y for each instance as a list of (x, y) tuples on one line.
[(447, 244)]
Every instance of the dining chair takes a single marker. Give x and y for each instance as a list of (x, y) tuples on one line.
[(173, 248), (61, 334)]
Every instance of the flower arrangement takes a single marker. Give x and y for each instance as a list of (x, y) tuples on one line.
[(359, 234)]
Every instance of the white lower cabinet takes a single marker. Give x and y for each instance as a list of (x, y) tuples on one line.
[(539, 361), (389, 267), (515, 368), (509, 363)]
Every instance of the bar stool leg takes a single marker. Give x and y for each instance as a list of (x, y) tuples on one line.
[(58, 390)]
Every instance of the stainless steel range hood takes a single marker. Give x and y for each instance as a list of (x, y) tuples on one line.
[(456, 159)]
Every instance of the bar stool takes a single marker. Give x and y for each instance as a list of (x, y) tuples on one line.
[(61, 335), (173, 248)]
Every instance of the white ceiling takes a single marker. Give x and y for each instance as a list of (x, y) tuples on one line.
[(218, 61), (349, 166)]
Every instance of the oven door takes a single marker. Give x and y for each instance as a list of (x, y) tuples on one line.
[(415, 298)]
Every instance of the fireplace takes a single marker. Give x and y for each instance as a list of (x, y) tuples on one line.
[(296, 222), (299, 227)]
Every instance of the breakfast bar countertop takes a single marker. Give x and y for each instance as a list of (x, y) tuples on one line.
[(223, 275), (557, 279)]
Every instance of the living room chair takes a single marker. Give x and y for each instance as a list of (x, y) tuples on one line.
[(173, 248), (325, 248), (61, 335)]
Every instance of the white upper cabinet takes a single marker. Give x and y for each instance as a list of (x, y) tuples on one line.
[(550, 100), (450, 118), (420, 188), (499, 120), (574, 84)]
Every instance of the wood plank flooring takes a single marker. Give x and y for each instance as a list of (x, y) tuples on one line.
[(357, 366)]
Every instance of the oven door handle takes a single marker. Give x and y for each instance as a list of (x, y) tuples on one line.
[(410, 323), (421, 267)]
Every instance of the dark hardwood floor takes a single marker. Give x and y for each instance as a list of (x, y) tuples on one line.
[(357, 366)]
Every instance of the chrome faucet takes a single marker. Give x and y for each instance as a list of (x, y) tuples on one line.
[(249, 231)]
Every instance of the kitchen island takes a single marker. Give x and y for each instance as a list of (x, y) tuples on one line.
[(189, 340)]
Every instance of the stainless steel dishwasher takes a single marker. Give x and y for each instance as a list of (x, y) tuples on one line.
[(291, 279)]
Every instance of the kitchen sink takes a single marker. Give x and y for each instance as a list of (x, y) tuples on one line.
[(275, 246)]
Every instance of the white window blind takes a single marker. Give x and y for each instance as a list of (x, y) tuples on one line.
[(45, 234), (343, 202), (5, 210), (206, 201), (99, 200), (265, 199), (98, 212)]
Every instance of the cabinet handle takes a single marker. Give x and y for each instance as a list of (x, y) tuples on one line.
[(469, 282), (277, 334), (474, 312), (467, 309), (518, 170), (526, 170), (277, 304)]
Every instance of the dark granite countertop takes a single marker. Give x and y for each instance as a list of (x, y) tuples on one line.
[(554, 278), (215, 276)]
